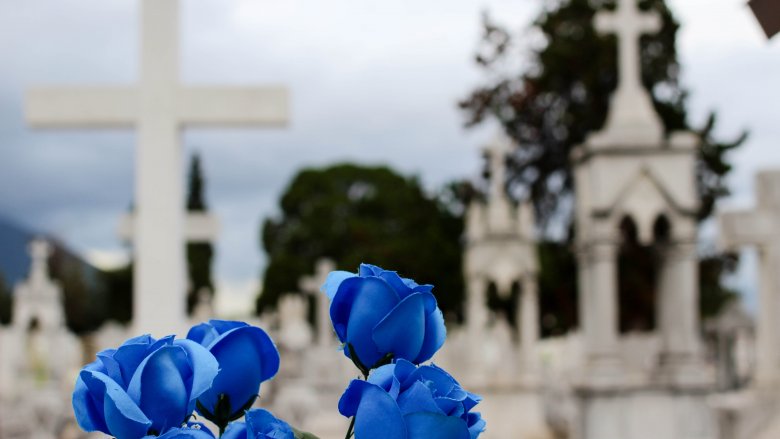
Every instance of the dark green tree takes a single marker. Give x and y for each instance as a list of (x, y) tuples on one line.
[(563, 94), (355, 214), (5, 302), (83, 302), (199, 254), (119, 294)]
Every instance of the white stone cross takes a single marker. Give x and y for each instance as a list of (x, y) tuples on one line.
[(159, 106), (499, 208), (39, 250), (760, 228), (497, 152), (311, 285), (632, 119)]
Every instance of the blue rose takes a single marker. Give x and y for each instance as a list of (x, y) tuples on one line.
[(246, 357), (378, 314), (403, 401), (145, 387), (260, 424)]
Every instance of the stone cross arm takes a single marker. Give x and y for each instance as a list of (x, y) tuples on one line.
[(55, 107), (627, 20), (312, 284), (199, 227), (747, 228)]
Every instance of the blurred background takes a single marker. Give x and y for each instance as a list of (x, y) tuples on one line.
[(473, 145)]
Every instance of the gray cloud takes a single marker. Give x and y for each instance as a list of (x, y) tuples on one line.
[(372, 82)]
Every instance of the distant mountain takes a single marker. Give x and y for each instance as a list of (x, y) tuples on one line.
[(14, 260), (83, 284)]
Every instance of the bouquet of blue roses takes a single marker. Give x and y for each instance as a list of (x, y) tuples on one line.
[(388, 325)]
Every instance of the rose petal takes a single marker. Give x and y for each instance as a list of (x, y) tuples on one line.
[(358, 306), (377, 416), (159, 389), (402, 331), (123, 418), (435, 335), (425, 425), (332, 282)]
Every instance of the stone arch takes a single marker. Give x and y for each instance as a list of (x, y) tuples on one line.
[(662, 229), (638, 267), (33, 324), (504, 305)]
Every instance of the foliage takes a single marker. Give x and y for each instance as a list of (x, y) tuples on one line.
[(5, 303), (352, 214), (119, 294), (82, 301), (561, 96), (714, 294), (564, 95)]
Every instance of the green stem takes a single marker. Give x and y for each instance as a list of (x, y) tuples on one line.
[(351, 427)]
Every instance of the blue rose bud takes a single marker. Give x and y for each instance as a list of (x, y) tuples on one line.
[(246, 357), (377, 314), (260, 424), (145, 387), (403, 401)]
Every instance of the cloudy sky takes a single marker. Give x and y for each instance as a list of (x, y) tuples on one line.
[(371, 82)]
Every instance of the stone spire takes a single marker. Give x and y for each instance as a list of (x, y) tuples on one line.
[(632, 120)]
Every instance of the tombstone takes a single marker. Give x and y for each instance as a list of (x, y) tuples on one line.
[(159, 107), (500, 250), (312, 285), (760, 228), (40, 354), (295, 334), (731, 335), (628, 171)]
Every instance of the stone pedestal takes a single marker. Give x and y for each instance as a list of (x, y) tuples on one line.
[(644, 413)]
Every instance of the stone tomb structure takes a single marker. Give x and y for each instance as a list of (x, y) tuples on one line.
[(159, 106), (631, 173), (501, 255), (40, 357)]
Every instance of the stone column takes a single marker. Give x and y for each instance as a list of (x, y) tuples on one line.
[(767, 363), (678, 305), (529, 324), (601, 321), (476, 309)]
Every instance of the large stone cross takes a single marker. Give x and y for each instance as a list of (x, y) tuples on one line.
[(760, 228), (159, 107), (312, 285), (632, 118)]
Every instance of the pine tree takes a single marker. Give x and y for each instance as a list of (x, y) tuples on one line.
[(199, 254), (563, 95), (5, 303)]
